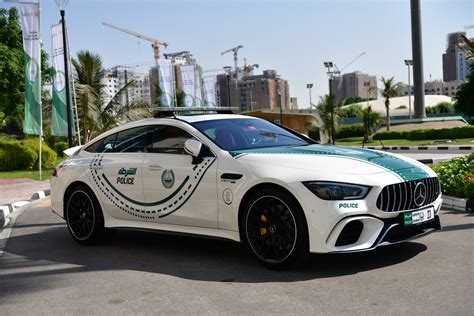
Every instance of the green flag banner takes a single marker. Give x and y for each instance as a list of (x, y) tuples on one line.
[(30, 24), (167, 84), (59, 108)]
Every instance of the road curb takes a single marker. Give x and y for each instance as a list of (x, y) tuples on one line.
[(7, 209), (425, 149), (434, 161), (458, 204)]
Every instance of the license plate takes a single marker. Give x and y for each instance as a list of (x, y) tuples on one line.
[(418, 217)]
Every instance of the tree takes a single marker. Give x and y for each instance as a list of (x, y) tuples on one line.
[(12, 85), (352, 110), (464, 98), (467, 47), (389, 90), (370, 120), (325, 108), (97, 114)]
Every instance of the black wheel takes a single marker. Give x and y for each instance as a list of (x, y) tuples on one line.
[(84, 216), (276, 230)]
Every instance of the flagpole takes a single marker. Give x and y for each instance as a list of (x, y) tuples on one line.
[(73, 94), (41, 107), (66, 72)]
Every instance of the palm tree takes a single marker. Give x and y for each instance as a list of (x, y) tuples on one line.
[(370, 120), (328, 114), (467, 48), (389, 90), (88, 87), (95, 112)]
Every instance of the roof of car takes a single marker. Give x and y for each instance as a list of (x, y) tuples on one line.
[(209, 117), (185, 118)]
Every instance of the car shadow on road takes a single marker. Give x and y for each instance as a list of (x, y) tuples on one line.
[(185, 257)]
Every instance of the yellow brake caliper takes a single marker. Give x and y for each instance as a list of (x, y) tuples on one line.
[(263, 230)]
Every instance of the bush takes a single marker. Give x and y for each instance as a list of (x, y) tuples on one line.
[(441, 107), (60, 147), (425, 134), (314, 134), (456, 177), (48, 156), (353, 130), (353, 110), (15, 156), (401, 107)]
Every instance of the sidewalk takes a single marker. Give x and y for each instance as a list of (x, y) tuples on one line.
[(12, 190)]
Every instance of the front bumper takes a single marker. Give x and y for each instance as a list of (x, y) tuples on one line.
[(392, 232)]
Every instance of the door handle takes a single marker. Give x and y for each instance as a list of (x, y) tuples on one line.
[(97, 167), (154, 167)]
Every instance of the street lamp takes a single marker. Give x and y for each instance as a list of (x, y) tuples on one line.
[(228, 70), (408, 63), (62, 6), (329, 65), (310, 86)]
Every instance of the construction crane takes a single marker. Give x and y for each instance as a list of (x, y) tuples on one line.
[(155, 44), (249, 68), (352, 61), (338, 71), (234, 50)]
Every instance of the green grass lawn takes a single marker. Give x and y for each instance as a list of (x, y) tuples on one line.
[(357, 141), (30, 174)]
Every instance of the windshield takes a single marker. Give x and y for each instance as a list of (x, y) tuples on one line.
[(242, 133)]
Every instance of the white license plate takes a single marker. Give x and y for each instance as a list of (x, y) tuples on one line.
[(417, 217)]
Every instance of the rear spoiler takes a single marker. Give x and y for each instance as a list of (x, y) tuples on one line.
[(71, 151)]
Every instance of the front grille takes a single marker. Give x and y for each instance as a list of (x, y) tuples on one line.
[(401, 196)]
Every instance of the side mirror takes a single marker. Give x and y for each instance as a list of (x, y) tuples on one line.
[(193, 147)]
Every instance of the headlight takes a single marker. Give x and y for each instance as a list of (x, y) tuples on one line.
[(337, 191)]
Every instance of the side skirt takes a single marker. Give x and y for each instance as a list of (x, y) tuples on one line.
[(188, 230)]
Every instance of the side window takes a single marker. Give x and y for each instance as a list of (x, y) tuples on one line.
[(131, 140), (103, 145), (167, 139)]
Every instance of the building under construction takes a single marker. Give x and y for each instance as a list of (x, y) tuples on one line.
[(251, 92), (352, 85)]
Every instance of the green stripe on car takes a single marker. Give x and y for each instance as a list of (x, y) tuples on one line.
[(402, 168)]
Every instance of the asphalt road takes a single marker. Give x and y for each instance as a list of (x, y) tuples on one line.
[(43, 270)]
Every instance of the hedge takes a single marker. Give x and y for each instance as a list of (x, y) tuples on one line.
[(48, 156), (314, 134), (15, 156), (24, 155), (424, 134), (60, 147), (353, 130), (456, 177)]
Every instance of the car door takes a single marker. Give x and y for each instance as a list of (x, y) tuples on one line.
[(117, 174), (176, 190)]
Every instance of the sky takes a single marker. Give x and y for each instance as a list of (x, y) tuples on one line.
[(293, 37)]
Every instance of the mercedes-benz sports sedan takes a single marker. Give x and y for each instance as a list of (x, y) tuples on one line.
[(245, 179)]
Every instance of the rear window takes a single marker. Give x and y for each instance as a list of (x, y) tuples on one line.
[(103, 145)]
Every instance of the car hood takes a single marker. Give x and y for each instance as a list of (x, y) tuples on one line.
[(334, 159)]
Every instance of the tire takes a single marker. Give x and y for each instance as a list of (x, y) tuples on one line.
[(84, 217), (275, 229)]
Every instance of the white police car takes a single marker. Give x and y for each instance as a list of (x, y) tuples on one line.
[(245, 179)]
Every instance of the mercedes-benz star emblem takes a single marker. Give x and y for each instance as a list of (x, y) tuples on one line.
[(420, 194)]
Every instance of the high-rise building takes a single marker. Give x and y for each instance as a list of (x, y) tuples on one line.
[(253, 92), (354, 84), (455, 65), (117, 77)]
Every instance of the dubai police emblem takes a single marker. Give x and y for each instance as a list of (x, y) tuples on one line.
[(167, 178)]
